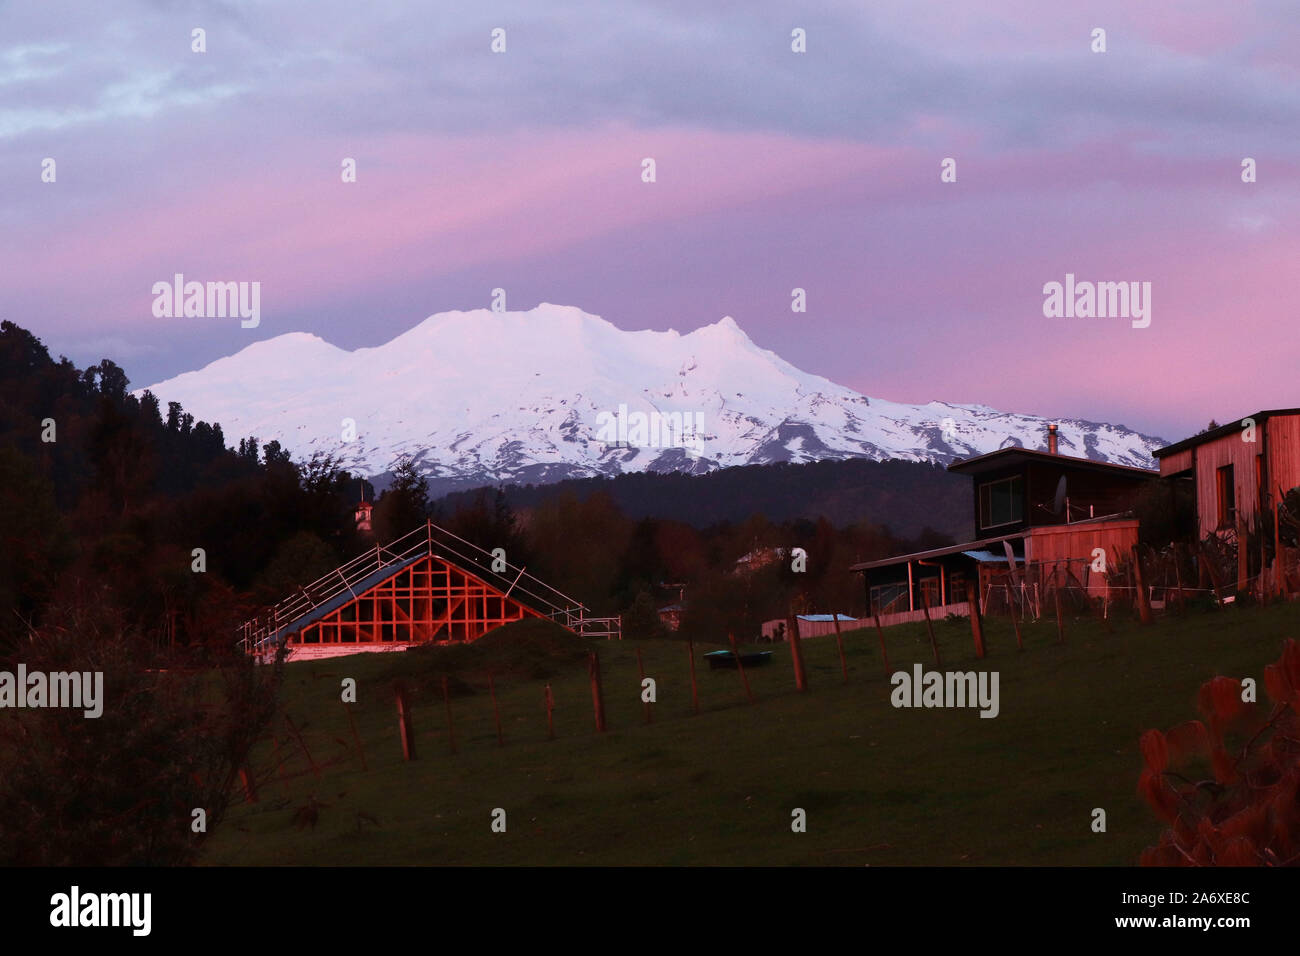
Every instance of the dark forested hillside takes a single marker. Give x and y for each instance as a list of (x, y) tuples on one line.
[(147, 516), (905, 497)]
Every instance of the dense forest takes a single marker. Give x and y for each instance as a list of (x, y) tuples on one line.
[(909, 497), (179, 533)]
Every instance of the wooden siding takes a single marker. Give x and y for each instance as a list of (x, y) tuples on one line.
[(1091, 493), (1072, 545), (1279, 437), (1283, 453), (960, 608), (1176, 463)]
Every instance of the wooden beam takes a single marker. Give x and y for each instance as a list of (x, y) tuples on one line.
[(1143, 599), (597, 699), (796, 654), (976, 621)]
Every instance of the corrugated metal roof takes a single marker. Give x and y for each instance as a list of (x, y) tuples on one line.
[(937, 552), (986, 557)]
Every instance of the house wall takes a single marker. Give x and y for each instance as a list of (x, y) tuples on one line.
[(1103, 493), (1073, 544), (1277, 438), (939, 572), (1283, 454), (1176, 463)]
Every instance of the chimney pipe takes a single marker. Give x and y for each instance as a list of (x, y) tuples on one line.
[(1051, 439)]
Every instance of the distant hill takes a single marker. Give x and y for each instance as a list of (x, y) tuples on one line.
[(904, 496)]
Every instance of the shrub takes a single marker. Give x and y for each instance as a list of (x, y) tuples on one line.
[(120, 789), (1246, 812)]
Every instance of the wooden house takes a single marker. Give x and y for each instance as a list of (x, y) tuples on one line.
[(1240, 472), (1035, 507), (1238, 469)]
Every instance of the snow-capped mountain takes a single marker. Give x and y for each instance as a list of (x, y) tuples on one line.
[(552, 393)]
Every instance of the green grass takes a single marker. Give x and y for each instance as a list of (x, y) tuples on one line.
[(881, 786)]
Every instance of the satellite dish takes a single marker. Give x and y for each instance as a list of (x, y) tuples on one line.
[(1059, 504)]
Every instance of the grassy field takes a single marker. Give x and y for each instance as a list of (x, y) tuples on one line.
[(880, 786)]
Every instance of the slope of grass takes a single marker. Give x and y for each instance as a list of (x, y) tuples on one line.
[(880, 786)]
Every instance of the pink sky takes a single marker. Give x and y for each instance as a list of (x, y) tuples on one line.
[(775, 170)]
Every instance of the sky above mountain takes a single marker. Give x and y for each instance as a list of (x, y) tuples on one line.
[(775, 170)]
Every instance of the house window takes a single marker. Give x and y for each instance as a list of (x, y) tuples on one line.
[(1227, 497), (1001, 502)]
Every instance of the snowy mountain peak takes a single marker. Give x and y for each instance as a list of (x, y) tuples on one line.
[(555, 392)]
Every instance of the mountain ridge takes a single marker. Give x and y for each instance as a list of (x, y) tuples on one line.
[(486, 397)]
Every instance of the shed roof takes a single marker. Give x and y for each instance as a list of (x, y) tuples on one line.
[(1215, 433), (986, 557), (938, 552), (1005, 456)]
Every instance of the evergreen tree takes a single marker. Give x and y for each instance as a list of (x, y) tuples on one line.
[(405, 505)]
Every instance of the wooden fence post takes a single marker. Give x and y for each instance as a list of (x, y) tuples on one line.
[(884, 654), (1279, 566), (1060, 620), (1143, 599), (740, 666), (597, 700), (695, 694), (1213, 573), (976, 620), (839, 642), (1264, 589), (404, 724), (796, 654), (1015, 621), (929, 626), (1178, 574), (1243, 557)]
